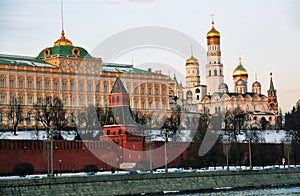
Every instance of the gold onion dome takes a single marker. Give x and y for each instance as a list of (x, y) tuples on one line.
[(213, 32), (240, 70), (192, 60), (63, 41)]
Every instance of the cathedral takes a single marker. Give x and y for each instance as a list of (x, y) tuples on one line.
[(215, 96)]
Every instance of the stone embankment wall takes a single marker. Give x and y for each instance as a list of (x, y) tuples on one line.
[(148, 183)]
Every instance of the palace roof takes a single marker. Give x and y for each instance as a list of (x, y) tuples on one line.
[(23, 61)]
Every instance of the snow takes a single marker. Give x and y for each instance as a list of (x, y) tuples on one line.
[(266, 136)]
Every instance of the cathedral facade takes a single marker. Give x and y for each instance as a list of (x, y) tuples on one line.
[(215, 97)]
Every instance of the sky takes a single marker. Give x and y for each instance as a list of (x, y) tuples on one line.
[(265, 34)]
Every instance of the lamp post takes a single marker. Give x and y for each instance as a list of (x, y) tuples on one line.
[(226, 145), (249, 134), (287, 144), (166, 157), (60, 166)]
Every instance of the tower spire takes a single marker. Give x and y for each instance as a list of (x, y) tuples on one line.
[(271, 83), (212, 19), (62, 17), (63, 41), (192, 53)]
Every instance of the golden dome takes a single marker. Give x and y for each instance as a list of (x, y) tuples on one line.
[(192, 60), (213, 32), (240, 70), (63, 41)]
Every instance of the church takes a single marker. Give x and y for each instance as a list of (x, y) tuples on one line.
[(215, 97)]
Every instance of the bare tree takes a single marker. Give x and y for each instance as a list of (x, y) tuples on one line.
[(16, 113), (173, 121), (50, 112)]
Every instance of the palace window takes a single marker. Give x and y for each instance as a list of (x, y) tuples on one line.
[(209, 73), (20, 83), (81, 100), (11, 99), (72, 100), (11, 83), (29, 99), (55, 85), (29, 84), (64, 100), (2, 82), (21, 99), (105, 87), (89, 87), (47, 84), (81, 86), (2, 98), (1, 118), (215, 72), (64, 85), (97, 87), (38, 84), (90, 100), (72, 86), (9, 117)]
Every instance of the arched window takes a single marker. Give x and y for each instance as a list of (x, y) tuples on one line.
[(2, 82), (209, 73), (108, 132), (198, 97), (113, 99), (120, 132), (215, 72), (118, 99), (197, 90), (220, 72), (20, 83)]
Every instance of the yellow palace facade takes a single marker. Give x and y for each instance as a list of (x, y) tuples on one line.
[(78, 79)]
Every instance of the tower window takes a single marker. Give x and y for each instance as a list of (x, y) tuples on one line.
[(215, 72)]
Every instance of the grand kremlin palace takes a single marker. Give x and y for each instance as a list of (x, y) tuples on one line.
[(79, 80)]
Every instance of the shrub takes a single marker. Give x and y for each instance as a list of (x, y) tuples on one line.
[(23, 169), (90, 168)]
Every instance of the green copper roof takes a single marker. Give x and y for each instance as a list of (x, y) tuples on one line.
[(65, 51), (124, 68), (22, 61)]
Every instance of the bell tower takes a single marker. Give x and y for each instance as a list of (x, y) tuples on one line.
[(214, 67)]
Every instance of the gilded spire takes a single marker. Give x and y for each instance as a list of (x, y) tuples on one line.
[(63, 41)]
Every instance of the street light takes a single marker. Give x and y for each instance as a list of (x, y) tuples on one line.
[(60, 166), (287, 144), (249, 134), (166, 157), (226, 144)]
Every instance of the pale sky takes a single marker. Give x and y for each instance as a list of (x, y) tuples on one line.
[(265, 34)]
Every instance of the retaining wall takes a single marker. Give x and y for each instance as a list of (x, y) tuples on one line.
[(148, 183)]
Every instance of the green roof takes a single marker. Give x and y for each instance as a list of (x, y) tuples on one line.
[(65, 51), (23, 61), (125, 68)]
